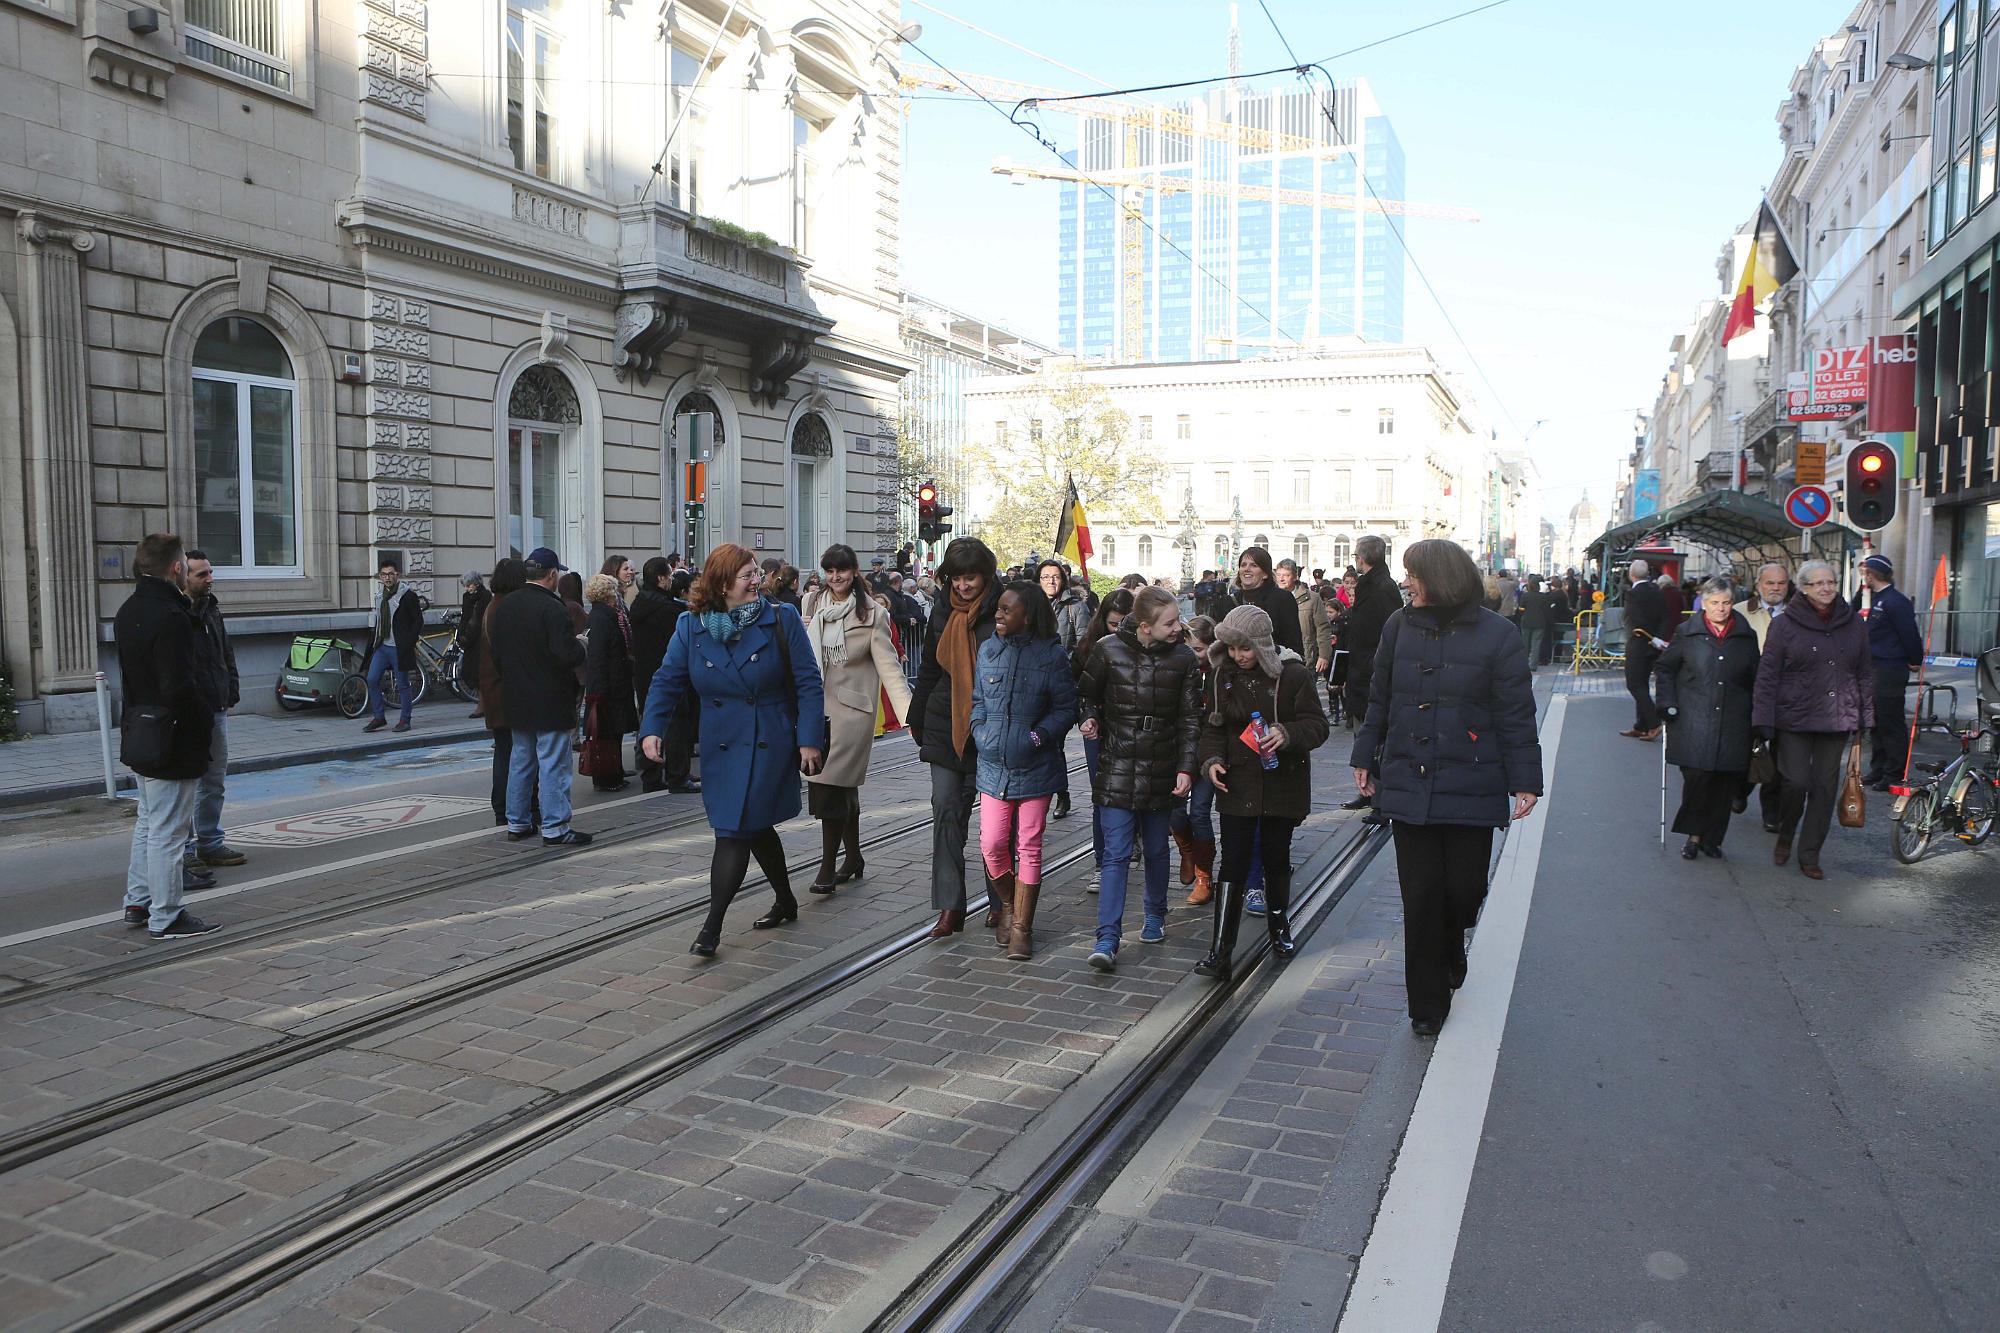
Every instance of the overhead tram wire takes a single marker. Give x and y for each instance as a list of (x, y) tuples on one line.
[(1333, 122), (1034, 132)]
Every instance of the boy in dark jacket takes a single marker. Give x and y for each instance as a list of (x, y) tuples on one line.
[(170, 708), (535, 654)]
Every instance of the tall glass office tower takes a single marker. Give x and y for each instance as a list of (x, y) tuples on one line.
[(1257, 191)]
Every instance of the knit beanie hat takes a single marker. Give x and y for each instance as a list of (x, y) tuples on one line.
[(1245, 627)]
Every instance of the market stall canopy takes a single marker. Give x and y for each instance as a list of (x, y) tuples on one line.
[(1748, 530)]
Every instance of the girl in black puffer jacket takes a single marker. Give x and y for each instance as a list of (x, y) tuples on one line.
[(1141, 700)]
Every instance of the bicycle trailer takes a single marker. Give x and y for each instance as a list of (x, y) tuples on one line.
[(315, 670)]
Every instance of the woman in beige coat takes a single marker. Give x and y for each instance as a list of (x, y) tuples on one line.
[(857, 659)]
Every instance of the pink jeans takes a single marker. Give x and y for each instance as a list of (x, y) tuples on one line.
[(1008, 829)]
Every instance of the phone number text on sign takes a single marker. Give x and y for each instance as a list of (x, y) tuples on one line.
[(1840, 375)]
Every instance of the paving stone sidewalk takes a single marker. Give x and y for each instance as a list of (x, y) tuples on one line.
[(50, 768)]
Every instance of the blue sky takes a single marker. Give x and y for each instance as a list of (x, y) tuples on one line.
[(1610, 149)]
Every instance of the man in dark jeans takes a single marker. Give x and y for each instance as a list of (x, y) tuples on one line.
[(1898, 649), (1376, 598), (1646, 631), (399, 623), (535, 654), (205, 846)]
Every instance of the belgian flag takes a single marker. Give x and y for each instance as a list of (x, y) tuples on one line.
[(1767, 267), (1073, 532)]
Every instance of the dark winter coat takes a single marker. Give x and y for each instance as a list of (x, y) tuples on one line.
[(1276, 603), (1705, 690), (654, 612), (1817, 675), (1646, 609), (930, 701), (535, 657), (1538, 610), (1893, 639), (406, 624), (218, 653), (1146, 702), (1292, 702), (492, 699), (1024, 686), (754, 720), (1072, 618), (1450, 731), (161, 661), (471, 629), (608, 673), (1376, 598)]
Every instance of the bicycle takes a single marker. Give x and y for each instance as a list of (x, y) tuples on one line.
[(1963, 798), (440, 657)]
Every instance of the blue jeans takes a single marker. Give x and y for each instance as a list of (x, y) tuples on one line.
[(1122, 828), (539, 762), (207, 835), (1096, 815), (384, 659), (153, 873), (1196, 816)]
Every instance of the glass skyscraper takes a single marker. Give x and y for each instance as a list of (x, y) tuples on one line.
[(1248, 246)]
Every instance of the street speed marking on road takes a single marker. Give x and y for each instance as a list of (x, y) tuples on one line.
[(353, 821)]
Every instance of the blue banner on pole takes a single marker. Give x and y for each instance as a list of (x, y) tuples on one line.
[(1646, 492)]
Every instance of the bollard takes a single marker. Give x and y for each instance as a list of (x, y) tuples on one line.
[(104, 737)]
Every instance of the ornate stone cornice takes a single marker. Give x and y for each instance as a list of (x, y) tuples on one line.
[(38, 228), (774, 359), (646, 329)]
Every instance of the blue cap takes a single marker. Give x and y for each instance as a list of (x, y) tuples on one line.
[(547, 559), (1880, 565)]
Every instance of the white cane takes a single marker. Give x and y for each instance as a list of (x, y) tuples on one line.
[(1663, 789)]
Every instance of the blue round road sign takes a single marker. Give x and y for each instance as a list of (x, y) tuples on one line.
[(1808, 507)]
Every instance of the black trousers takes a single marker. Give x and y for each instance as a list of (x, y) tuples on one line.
[(1809, 766), (953, 797), (676, 751), (1890, 749), (1441, 869), (1360, 675), (1639, 684), (1245, 836), (1706, 797)]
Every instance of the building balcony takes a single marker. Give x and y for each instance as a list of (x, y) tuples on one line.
[(1714, 470)]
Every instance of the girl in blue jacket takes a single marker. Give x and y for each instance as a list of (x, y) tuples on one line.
[(1023, 703)]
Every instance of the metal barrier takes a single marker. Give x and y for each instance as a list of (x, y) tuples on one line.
[(1590, 650)]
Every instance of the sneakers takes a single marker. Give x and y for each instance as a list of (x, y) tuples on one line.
[(1093, 886), (569, 837), (1253, 902), (1104, 958), (376, 724), (185, 926), (196, 876), (136, 916), (1154, 931), (521, 834), (223, 855), (401, 726)]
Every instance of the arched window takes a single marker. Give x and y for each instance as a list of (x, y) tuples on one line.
[(811, 488), (246, 451), (1145, 553), (1302, 549), (542, 416), (1262, 540), (1343, 552), (1110, 552), (1221, 552)]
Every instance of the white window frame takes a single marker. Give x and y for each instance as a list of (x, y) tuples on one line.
[(246, 523), (1385, 421), (522, 156), (684, 159), (1260, 487), (1145, 552), (1110, 551), (298, 20), (1385, 486), (1302, 490)]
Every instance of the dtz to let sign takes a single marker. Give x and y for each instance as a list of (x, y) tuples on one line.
[(1840, 375)]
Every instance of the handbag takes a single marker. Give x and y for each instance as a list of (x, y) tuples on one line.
[(1763, 765), (1853, 799), (146, 738)]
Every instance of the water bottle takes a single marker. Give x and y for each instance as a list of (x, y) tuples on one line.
[(1257, 722)]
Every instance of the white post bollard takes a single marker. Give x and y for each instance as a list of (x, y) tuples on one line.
[(104, 737)]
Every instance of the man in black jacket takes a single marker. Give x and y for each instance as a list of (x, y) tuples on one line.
[(535, 654), (399, 623), (1647, 629), (655, 612), (170, 709), (206, 847), (1376, 598)]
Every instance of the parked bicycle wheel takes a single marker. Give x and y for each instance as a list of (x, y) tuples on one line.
[(1976, 812), (351, 696), (392, 688), (1910, 835), (452, 669)]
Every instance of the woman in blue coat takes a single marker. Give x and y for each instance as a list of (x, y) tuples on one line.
[(1449, 751), (1023, 703), (746, 663)]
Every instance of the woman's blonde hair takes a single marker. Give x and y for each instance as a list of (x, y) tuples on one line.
[(601, 588)]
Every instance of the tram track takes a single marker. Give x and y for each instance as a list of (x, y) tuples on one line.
[(979, 1281), (378, 1014), (153, 955), (259, 1265)]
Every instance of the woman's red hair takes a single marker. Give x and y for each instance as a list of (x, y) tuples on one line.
[(710, 591)]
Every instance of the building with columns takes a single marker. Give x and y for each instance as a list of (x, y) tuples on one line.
[(1299, 454), (434, 281)]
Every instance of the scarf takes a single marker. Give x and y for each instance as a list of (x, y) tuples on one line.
[(1719, 631), (955, 654), (624, 622), (830, 618), (728, 626)]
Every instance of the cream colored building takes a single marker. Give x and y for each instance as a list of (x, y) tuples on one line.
[(1300, 454), (436, 280)]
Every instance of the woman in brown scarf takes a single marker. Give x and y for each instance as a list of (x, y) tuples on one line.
[(940, 716)]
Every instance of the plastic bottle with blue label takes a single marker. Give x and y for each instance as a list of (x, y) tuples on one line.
[(1269, 758)]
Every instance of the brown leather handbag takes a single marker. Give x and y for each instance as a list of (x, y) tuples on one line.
[(1853, 798)]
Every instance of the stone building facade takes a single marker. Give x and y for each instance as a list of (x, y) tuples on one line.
[(316, 285)]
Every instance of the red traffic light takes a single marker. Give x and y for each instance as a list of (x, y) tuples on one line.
[(1871, 487), (1872, 462), (926, 494)]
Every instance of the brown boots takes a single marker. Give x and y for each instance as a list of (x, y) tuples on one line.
[(1000, 907), (1184, 839), (1021, 930), (1204, 865)]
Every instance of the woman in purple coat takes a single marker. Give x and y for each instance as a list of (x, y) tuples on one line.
[(1815, 689)]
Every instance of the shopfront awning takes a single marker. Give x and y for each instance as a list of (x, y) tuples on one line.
[(1747, 530)]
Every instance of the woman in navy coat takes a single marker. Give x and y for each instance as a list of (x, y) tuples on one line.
[(746, 663)]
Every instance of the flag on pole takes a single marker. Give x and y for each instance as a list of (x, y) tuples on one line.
[(1073, 532), (1767, 267)]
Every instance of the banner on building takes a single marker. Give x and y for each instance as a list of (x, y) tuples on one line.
[(1840, 374), (1646, 492), (1892, 395), (1799, 404)]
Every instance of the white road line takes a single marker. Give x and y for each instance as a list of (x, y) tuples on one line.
[(1405, 1267)]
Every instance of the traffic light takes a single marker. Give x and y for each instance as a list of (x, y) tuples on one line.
[(931, 526), (1872, 469)]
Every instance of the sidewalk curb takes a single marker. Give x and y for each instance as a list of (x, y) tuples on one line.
[(17, 797)]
